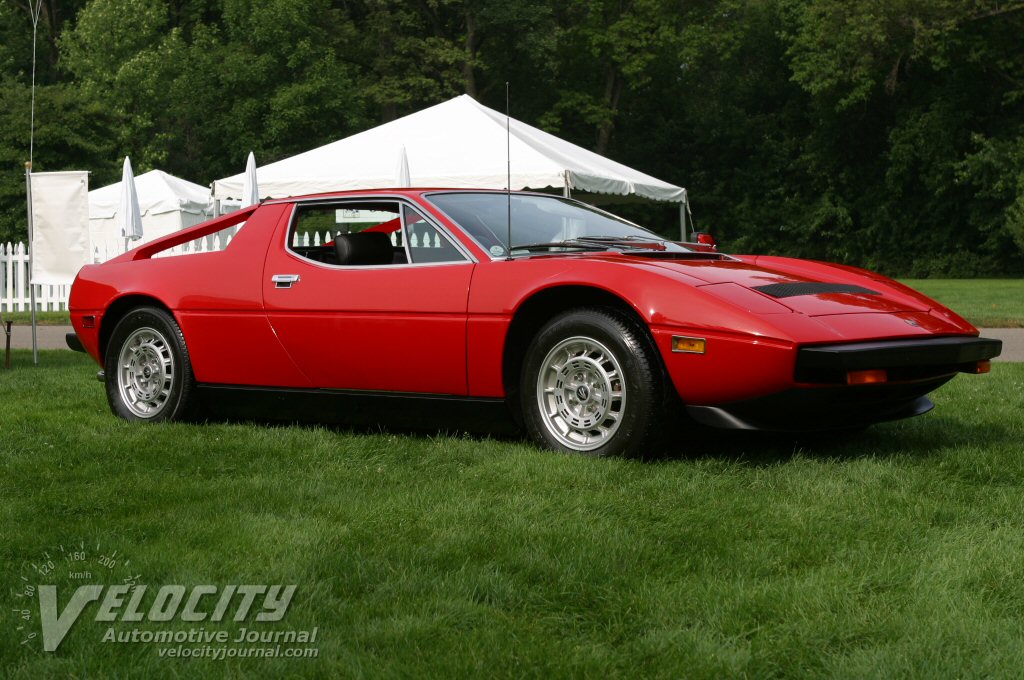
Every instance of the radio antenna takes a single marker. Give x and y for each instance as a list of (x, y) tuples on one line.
[(508, 177)]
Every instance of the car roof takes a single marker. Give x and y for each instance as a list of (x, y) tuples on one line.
[(390, 192)]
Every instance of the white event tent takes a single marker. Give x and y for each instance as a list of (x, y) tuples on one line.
[(167, 204), (458, 143)]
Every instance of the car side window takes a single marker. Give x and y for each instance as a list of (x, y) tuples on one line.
[(426, 243), (351, 233), (368, 233)]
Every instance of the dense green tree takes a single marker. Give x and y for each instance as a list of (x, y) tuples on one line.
[(71, 134), (195, 98), (16, 37), (913, 101), (606, 49), (886, 134), (414, 54)]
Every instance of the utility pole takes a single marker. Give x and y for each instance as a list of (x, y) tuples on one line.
[(35, 7)]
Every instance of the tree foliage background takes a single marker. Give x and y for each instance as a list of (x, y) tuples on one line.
[(882, 133)]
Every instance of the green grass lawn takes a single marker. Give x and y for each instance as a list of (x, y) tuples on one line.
[(898, 552), (991, 303), (42, 318)]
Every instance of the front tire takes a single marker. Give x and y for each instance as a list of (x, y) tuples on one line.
[(592, 384), (148, 372)]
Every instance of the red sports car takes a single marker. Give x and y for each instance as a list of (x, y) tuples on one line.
[(593, 333)]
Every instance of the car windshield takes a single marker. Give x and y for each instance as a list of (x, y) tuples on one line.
[(542, 223)]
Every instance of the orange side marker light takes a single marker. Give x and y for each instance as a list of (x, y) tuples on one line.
[(688, 345), (871, 377)]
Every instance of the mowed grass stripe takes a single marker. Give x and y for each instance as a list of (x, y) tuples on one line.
[(986, 303), (897, 552)]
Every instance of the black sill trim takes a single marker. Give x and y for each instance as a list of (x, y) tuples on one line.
[(358, 408), (785, 290), (314, 391)]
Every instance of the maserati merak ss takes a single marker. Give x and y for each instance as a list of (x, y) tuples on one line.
[(595, 335)]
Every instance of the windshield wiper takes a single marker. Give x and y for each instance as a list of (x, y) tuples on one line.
[(598, 243), (631, 237), (576, 244), (632, 241)]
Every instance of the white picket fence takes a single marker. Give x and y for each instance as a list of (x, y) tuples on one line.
[(206, 244), (429, 239), (14, 290)]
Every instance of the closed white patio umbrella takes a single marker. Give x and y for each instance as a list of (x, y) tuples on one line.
[(403, 177), (250, 188), (129, 216)]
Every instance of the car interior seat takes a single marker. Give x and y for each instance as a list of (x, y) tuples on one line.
[(363, 249)]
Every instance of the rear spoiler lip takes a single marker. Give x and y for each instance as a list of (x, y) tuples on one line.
[(150, 249)]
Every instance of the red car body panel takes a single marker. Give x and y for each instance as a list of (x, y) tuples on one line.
[(411, 322), (215, 296), (443, 328)]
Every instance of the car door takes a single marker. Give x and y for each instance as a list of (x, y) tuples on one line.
[(398, 326)]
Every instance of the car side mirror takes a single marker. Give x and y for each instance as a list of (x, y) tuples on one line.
[(705, 239)]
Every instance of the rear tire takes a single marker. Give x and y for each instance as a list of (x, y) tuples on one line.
[(592, 383), (148, 371)]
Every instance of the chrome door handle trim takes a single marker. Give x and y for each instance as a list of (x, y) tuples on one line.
[(284, 280)]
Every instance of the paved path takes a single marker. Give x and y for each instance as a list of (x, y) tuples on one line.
[(52, 337), (1013, 342), (49, 337)]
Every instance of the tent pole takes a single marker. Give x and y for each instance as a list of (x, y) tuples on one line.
[(31, 249), (684, 210), (214, 202), (565, 191)]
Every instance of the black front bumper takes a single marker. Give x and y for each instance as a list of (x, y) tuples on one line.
[(903, 359), (824, 401)]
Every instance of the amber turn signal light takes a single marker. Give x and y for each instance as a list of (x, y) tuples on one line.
[(866, 377), (688, 345), (984, 366)]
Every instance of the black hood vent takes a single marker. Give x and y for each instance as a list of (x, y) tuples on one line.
[(785, 290)]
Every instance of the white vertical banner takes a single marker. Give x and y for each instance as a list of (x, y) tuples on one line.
[(60, 226)]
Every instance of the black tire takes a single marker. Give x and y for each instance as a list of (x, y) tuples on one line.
[(578, 399), (148, 371)]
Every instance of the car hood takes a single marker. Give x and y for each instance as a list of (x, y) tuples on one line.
[(839, 293), (838, 303)]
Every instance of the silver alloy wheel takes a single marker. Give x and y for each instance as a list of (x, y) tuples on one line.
[(145, 373), (581, 393)]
